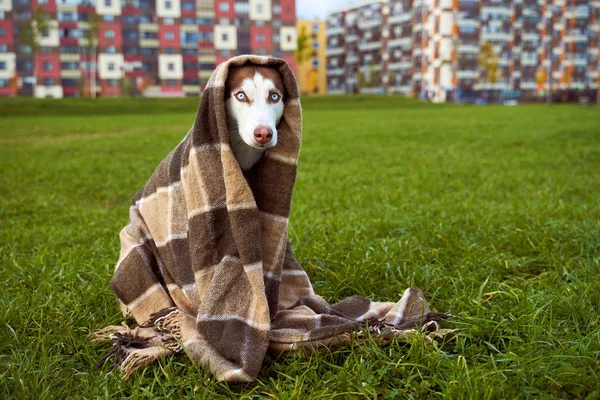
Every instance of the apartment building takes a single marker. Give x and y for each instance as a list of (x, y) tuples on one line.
[(150, 47), (312, 74), (430, 48)]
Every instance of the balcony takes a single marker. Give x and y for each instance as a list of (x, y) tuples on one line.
[(338, 30), (335, 51), (369, 46), (335, 72), (397, 19), (369, 23), (400, 42)]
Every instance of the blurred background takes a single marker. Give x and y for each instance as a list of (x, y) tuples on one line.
[(438, 50)]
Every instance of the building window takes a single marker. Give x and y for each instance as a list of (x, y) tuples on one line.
[(107, 3), (259, 23), (168, 4), (259, 8), (3, 48), (171, 67), (2, 32), (109, 34), (170, 50), (276, 38), (241, 8), (42, 1), (276, 9), (111, 50), (315, 27), (171, 82), (276, 23), (3, 65), (225, 37), (111, 66), (261, 52), (169, 36), (260, 38), (315, 63), (112, 82), (188, 6), (224, 7), (225, 52), (47, 66)]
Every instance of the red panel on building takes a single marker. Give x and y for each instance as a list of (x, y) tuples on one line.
[(68, 41), (130, 10), (288, 10), (188, 13), (203, 43), (110, 34), (70, 91), (292, 63), (169, 89), (87, 9), (221, 58), (169, 36), (224, 9), (49, 5), (6, 91), (134, 72), (48, 66), (190, 73), (261, 37), (7, 27), (108, 90)]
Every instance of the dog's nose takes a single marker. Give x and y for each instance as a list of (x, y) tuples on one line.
[(263, 135)]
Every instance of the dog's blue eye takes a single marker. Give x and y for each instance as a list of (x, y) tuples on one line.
[(241, 96), (274, 97)]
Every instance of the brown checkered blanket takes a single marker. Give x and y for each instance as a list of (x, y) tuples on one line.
[(206, 266)]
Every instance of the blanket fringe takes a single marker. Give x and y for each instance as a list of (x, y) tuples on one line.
[(136, 348)]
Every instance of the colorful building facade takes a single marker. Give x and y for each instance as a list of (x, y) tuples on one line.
[(312, 73), (430, 48), (149, 47)]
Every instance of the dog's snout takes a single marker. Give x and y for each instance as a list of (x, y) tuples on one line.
[(263, 134)]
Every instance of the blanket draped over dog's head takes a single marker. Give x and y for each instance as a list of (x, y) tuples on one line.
[(206, 265)]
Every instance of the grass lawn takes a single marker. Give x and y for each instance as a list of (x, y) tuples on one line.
[(494, 212)]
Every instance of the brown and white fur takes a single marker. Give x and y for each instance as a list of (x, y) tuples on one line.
[(254, 104)]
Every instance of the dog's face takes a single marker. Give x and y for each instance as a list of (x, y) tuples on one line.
[(254, 103)]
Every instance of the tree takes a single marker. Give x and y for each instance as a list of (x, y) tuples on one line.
[(598, 90), (360, 80), (30, 35), (391, 80), (488, 62), (91, 36), (303, 47), (373, 76), (14, 83), (541, 77)]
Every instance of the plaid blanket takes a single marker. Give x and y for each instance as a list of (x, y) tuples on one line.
[(206, 266)]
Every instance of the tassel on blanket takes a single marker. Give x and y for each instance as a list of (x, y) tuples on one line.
[(141, 346)]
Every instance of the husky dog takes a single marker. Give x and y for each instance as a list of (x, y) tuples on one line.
[(254, 103)]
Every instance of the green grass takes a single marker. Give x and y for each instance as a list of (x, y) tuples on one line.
[(493, 212)]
